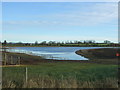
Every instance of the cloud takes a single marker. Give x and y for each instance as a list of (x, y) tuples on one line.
[(33, 38), (98, 13)]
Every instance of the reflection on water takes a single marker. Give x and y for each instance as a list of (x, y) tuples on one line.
[(59, 53)]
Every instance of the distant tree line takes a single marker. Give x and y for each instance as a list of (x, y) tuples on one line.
[(65, 43)]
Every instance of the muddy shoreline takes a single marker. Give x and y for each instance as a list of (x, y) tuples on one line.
[(26, 59)]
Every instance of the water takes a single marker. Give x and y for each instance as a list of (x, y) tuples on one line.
[(59, 53)]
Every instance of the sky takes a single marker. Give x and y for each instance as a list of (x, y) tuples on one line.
[(59, 21), (60, 0)]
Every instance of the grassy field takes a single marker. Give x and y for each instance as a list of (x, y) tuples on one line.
[(61, 75)]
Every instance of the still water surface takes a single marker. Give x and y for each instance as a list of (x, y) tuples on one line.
[(59, 53)]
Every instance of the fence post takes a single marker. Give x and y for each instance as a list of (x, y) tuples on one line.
[(5, 59), (19, 60), (26, 75), (11, 60)]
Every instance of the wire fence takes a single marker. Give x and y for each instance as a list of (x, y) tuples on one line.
[(10, 60)]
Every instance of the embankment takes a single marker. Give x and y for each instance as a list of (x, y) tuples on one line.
[(101, 53)]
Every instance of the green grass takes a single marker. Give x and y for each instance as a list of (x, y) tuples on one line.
[(61, 74)]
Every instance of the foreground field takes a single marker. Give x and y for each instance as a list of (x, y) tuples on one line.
[(61, 75)]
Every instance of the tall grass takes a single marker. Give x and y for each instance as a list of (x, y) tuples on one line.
[(48, 82), (61, 75)]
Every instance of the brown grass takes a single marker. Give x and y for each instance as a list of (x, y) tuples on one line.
[(47, 82)]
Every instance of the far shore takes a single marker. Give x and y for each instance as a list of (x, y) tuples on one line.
[(57, 46)]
